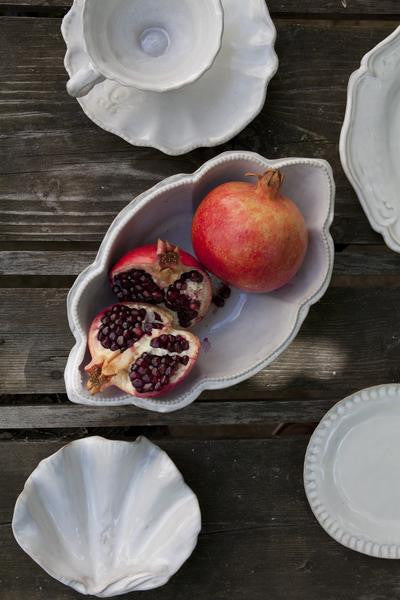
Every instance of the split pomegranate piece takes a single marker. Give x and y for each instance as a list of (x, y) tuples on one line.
[(134, 347), (165, 275)]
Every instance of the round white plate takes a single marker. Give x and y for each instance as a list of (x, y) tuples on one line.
[(351, 471), (206, 113), (370, 138)]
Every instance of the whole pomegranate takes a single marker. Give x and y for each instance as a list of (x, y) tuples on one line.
[(166, 275), (134, 347), (250, 236)]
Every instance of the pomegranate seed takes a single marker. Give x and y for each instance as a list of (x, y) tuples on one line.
[(172, 343), (137, 285), (143, 286), (196, 276), (224, 292), (122, 327), (151, 372), (218, 301)]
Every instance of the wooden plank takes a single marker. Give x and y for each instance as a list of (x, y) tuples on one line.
[(63, 178), (199, 414), (350, 340), (52, 263), (353, 260), (312, 7), (259, 536)]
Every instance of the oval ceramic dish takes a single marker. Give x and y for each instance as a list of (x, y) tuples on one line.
[(107, 517), (351, 471), (370, 138), (210, 111), (166, 211)]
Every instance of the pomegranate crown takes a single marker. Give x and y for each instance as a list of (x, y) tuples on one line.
[(168, 255), (270, 181)]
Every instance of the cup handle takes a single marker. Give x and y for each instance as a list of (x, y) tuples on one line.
[(83, 81)]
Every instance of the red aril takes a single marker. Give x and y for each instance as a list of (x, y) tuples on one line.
[(250, 236), (134, 347), (165, 275)]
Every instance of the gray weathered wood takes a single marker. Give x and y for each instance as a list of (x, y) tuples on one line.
[(199, 414), (351, 339), (63, 178), (60, 263), (313, 7), (259, 537), (353, 260)]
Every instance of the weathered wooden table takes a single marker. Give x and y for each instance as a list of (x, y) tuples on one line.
[(62, 181)]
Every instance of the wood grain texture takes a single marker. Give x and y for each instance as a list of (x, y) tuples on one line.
[(259, 537), (350, 340), (338, 8), (353, 260), (199, 414), (63, 178)]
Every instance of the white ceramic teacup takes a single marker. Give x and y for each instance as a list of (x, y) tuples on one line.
[(156, 45)]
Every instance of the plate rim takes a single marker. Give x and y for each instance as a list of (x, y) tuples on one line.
[(365, 70), (324, 518)]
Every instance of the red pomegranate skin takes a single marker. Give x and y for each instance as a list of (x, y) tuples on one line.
[(146, 255), (250, 236)]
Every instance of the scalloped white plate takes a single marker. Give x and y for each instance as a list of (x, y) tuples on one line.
[(208, 112), (370, 138), (351, 471), (269, 321)]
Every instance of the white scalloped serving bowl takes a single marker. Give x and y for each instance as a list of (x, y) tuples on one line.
[(351, 471), (272, 320), (370, 138), (107, 517)]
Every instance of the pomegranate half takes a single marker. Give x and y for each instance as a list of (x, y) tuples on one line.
[(134, 347), (165, 275), (250, 236)]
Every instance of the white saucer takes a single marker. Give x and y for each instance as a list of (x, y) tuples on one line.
[(351, 471), (206, 113)]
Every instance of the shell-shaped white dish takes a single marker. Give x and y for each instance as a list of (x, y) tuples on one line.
[(208, 112), (269, 321), (107, 517), (351, 471), (370, 138)]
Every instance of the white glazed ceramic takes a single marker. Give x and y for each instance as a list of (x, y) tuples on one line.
[(208, 112), (272, 320), (370, 139), (156, 45), (351, 471), (107, 517)]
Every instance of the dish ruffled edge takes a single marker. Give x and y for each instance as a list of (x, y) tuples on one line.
[(366, 70)]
